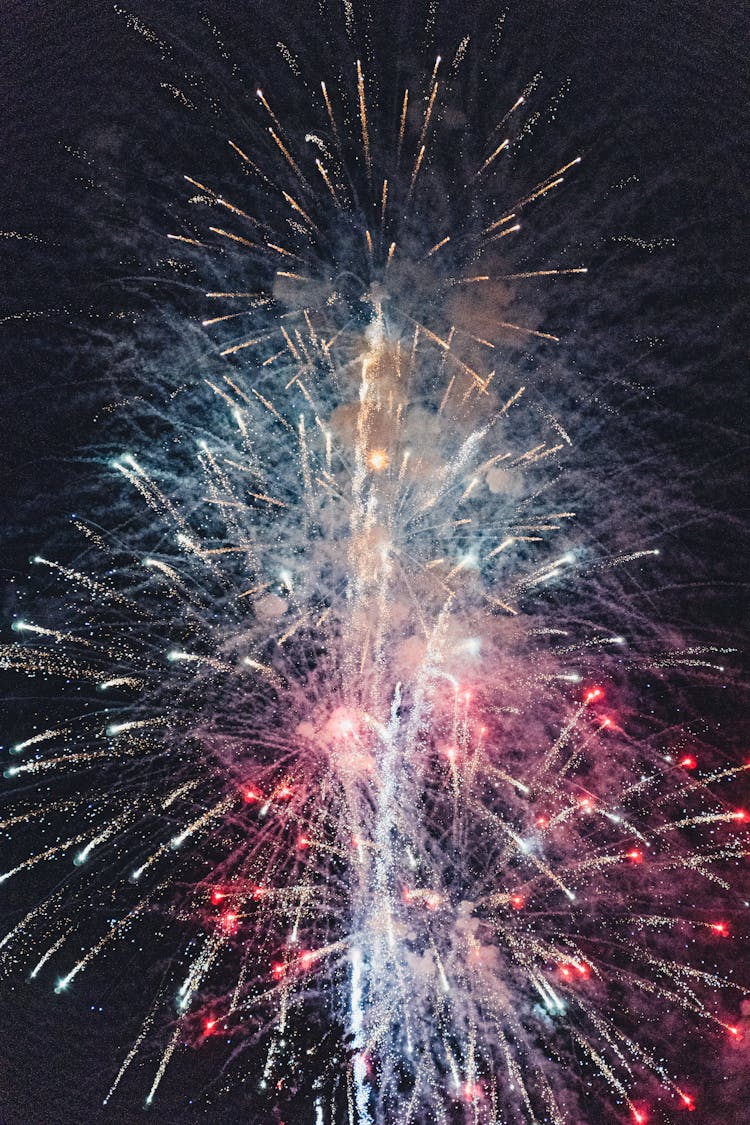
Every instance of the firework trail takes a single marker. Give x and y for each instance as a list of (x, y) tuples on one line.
[(357, 716)]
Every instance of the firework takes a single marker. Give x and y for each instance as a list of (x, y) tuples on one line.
[(357, 718)]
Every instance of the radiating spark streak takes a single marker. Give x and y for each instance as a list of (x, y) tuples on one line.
[(359, 1065), (97, 588), (268, 499), (145, 1028), (220, 200), (201, 822), (43, 736), (327, 180), (221, 319), (249, 162), (287, 156), (528, 331), (415, 169), (184, 238), (502, 234), (38, 911), (428, 114), (27, 627), (619, 559), (40, 857), (264, 102), (134, 724), (492, 157), (300, 210), (438, 246), (234, 237), (49, 953), (43, 765), (163, 1063), (402, 125), (363, 119), (329, 110), (64, 982), (541, 273), (33, 661)]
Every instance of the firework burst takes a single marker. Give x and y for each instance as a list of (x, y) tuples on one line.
[(358, 731)]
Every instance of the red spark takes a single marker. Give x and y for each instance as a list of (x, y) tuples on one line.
[(228, 922), (208, 1026), (517, 902), (688, 1101), (720, 928), (593, 694), (542, 821), (640, 1116), (250, 795), (688, 762), (306, 959), (217, 896), (284, 792), (303, 842), (635, 855), (742, 815), (278, 969), (735, 1031)]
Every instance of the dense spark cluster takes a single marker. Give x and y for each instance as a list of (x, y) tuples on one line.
[(363, 740)]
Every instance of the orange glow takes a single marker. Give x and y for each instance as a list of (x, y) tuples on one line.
[(377, 460)]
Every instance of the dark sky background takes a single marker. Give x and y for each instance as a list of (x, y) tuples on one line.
[(658, 90)]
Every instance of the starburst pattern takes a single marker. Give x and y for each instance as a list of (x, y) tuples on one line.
[(358, 718)]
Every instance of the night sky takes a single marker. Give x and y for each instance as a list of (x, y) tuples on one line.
[(93, 150)]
